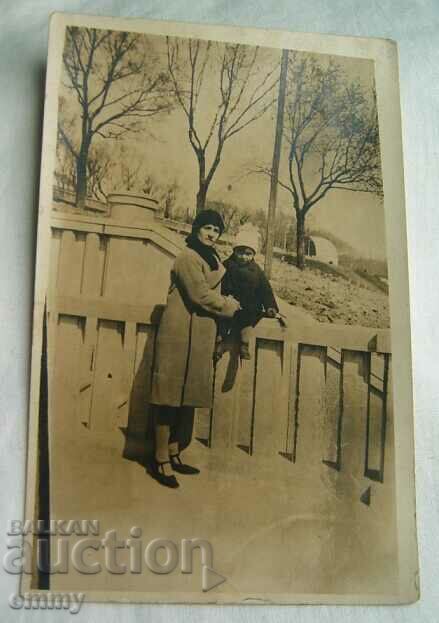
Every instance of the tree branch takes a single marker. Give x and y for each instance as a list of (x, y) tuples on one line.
[(67, 142)]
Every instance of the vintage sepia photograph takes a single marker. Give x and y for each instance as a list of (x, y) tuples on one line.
[(214, 373)]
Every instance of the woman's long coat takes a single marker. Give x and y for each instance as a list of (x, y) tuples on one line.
[(183, 365)]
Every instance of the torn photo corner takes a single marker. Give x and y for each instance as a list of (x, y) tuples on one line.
[(221, 404)]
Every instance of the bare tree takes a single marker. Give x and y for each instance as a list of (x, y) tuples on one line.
[(168, 199), (244, 91), (332, 138), (99, 169), (149, 185), (232, 215), (65, 171), (165, 194), (117, 82), (130, 176), (134, 178), (284, 228)]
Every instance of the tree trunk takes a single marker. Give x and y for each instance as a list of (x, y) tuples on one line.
[(81, 175), (202, 185), (201, 198), (300, 240)]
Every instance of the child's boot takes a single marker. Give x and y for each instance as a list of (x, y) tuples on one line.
[(244, 350), (219, 349)]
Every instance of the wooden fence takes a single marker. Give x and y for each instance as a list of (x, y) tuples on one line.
[(316, 395)]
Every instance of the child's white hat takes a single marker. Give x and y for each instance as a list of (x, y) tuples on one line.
[(247, 236)]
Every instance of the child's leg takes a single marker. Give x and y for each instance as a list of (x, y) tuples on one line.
[(223, 329), (247, 334)]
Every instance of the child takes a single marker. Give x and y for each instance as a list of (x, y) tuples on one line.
[(247, 283)]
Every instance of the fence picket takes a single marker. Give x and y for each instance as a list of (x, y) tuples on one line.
[(269, 411), (309, 437)]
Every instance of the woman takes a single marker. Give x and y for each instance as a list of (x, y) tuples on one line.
[(183, 368)]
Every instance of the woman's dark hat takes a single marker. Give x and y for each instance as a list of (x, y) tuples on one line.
[(208, 217)]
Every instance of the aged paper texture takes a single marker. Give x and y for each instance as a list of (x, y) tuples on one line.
[(295, 482)]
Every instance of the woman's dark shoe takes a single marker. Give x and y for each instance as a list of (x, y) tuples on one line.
[(182, 468), (158, 473)]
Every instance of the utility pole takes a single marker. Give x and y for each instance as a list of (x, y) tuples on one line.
[(275, 166)]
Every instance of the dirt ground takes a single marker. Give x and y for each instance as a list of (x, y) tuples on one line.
[(277, 529), (332, 298)]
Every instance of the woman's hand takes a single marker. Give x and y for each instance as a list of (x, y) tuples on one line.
[(233, 303), (230, 307)]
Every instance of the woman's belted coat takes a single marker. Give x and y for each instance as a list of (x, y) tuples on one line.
[(183, 365)]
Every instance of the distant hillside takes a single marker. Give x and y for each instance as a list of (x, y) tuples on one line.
[(333, 294)]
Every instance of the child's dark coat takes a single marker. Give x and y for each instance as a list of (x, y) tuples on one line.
[(249, 285)]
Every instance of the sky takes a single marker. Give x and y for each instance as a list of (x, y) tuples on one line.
[(164, 151)]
